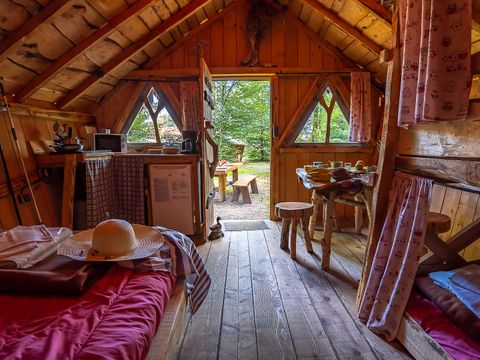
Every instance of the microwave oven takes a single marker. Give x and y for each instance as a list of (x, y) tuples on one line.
[(113, 142)]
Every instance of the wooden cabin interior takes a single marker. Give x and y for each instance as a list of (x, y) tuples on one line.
[(78, 71)]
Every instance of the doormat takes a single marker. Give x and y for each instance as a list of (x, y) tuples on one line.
[(244, 225)]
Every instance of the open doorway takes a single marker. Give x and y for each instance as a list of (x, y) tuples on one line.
[(241, 121)]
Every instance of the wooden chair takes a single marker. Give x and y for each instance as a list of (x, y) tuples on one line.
[(292, 213), (241, 187)]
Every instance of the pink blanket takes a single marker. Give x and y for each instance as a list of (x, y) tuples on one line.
[(451, 338), (115, 319)]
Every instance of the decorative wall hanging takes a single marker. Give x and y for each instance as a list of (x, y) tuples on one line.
[(435, 43), (259, 19)]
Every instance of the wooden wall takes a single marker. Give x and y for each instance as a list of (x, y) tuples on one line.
[(444, 143), (462, 207), (30, 124), (287, 45)]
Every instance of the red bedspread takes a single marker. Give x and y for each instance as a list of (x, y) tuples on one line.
[(453, 340), (115, 319)]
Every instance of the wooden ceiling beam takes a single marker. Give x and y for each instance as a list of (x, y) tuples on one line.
[(11, 42), (235, 71), (63, 61), (131, 50), (377, 9), (345, 26)]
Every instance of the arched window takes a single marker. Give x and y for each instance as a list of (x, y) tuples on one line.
[(152, 120), (327, 121)]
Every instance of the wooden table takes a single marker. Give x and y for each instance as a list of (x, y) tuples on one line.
[(222, 173), (363, 200)]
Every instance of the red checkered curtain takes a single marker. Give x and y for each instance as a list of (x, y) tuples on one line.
[(100, 185), (129, 189), (435, 41), (115, 190)]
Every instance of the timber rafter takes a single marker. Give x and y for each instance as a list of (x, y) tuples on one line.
[(344, 25), (48, 12), (70, 55), (127, 53), (377, 9)]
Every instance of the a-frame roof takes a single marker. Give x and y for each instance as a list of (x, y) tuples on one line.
[(70, 53)]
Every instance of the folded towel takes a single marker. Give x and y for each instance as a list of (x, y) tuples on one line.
[(22, 238), (464, 283), (25, 246)]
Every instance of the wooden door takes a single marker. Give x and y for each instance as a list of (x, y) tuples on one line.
[(209, 147)]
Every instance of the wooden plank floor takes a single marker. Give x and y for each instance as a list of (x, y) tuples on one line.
[(263, 305)]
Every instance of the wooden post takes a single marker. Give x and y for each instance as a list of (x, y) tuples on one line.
[(70, 169), (388, 150), (284, 234), (317, 202), (306, 234), (293, 239), (222, 186), (358, 216), (328, 219)]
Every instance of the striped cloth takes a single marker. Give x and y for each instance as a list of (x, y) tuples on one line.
[(178, 255)]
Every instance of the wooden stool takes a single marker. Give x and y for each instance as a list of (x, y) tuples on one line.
[(441, 255), (291, 213), (438, 223)]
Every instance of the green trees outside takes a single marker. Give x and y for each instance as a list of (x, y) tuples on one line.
[(242, 112), (315, 129), (142, 129)]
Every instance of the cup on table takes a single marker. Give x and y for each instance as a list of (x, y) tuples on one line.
[(347, 166)]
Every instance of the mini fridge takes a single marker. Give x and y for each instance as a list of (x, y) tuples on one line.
[(171, 197)]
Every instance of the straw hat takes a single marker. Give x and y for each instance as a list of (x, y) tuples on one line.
[(112, 240)]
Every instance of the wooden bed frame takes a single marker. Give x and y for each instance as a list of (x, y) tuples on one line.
[(418, 343), (442, 255), (169, 332)]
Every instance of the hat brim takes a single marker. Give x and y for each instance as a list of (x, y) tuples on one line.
[(78, 246)]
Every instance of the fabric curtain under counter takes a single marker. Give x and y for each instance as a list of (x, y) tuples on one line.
[(115, 189)]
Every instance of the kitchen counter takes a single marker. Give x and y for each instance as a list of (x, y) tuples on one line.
[(69, 162)]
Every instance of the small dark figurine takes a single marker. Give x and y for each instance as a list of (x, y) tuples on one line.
[(216, 230)]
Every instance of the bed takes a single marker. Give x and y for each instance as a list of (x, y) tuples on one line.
[(437, 325), (116, 318), (65, 309)]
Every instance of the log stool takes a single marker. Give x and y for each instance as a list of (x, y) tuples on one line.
[(438, 223), (292, 213), (441, 255)]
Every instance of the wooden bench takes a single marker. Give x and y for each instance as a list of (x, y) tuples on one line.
[(241, 187)]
